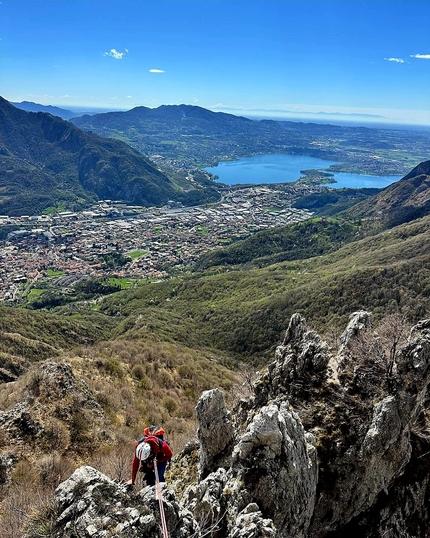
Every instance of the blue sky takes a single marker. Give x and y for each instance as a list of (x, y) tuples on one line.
[(262, 57)]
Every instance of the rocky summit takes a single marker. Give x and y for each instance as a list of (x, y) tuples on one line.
[(331, 443)]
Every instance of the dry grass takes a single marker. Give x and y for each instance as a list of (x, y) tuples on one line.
[(28, 497), (134, 383)]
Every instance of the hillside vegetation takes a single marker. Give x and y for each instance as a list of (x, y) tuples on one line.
[(402, 201), (45, 161), (312, 237), (245, 311)]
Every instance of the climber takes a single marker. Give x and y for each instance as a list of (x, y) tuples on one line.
[(151, 445)]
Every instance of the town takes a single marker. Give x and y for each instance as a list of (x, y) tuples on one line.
[(59, 250)]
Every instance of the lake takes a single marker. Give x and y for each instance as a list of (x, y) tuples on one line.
[(277, 168)]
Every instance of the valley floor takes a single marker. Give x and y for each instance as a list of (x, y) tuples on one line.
[(152, 241)]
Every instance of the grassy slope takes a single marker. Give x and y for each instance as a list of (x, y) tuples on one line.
[(245, 312), (26, 333)]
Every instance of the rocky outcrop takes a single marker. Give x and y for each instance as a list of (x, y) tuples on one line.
[(215, 432), (309, 455), (57, 412), (91, 505), (315, 452), (358, 321)]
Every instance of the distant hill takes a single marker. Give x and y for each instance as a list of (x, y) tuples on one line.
[(298, 241), (28, 106), (195, 137), (45, 160), (189, 134), (400, 202)]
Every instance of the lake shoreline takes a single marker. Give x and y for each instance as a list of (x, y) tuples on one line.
[(283, 168)]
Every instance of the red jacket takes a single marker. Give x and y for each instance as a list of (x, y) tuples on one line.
[(159, 448)]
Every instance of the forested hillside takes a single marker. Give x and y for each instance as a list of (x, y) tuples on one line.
[(45, 161), (244, 311), (403, 201)]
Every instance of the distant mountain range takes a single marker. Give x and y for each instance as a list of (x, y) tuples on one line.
[(29, 106), (197, 137), (45, 160), (187, 134)]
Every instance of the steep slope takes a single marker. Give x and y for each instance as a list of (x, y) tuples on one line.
[(328, 443), (45, 160), (244, 311), (403, 201), (28, 337)]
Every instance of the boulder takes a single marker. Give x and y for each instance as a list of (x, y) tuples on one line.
[(215, 432), (89, 504)]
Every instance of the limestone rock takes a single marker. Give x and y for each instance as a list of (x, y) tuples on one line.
[(251, 524), (215, 432), (302, 349), (306, 456), (20, 422), (89, 504), (357, 322), (278, 468)]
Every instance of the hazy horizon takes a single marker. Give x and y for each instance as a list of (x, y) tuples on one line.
[(297, 57)]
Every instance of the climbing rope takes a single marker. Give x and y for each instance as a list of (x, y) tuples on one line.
[(159, 496)]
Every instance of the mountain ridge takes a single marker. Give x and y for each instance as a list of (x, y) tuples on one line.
[(29, 106), (46, 160), (403, 201), (198, 137)]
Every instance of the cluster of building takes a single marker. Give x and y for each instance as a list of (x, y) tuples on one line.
[(149, 242)]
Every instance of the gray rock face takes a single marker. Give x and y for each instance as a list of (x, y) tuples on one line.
[(358, 321), (362, 447), (310, 455), (251, 524), (92, 505), (278, 469), (215, 432), (20, 422), (302, 349)]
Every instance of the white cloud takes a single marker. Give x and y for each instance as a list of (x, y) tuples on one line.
[(156, 71), (113, 53), (396, 60), (129, 97), (421, 56)]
